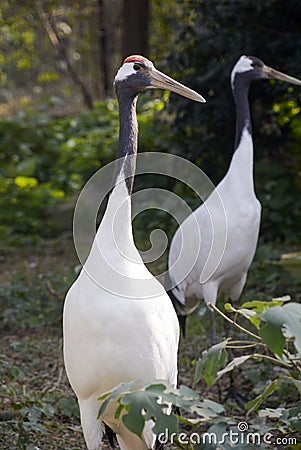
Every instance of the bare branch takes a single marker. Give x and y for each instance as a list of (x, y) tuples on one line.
[(49, 24)]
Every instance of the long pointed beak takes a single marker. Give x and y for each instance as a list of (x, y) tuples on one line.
[(272, 73), (162, 81)]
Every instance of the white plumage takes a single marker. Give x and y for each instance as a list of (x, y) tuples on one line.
[(119, 324), (239, 209), (242, 216)]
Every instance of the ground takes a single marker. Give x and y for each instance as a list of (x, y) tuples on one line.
[(38, 408)]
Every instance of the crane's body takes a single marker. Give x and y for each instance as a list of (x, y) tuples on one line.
[(125, 338), (242, 230), (240, 206), (110, 339), (119, 324)]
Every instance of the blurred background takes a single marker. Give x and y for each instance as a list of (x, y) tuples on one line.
[(59, 116)]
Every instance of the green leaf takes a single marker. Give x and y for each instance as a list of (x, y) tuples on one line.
[(107, 397), (254, 404), (293, 416), (186, 392), (144, 405), (272, 336), (26, 182), (206, 410), (232, 364), (134, 420), (247, 313), (154, 402), (35, 427), (296, 383), (209, 362), (271, 413), (282, 321), (229, 307), (258, 307), (292, 323), (69, 406), (188, 400)]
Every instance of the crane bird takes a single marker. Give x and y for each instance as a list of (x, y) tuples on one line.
[(128, 331), (242, 209)]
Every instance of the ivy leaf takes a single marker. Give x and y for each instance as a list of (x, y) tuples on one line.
[(296, 383), (154, 403), (189, 401), (272, 336), (209, 362), (206, 410), (253, 310), (253, 405), (293, 416), (232, 364), (281, 322), (144, 405), (259, 306), (247, 313), (292, 323), (115, 393), (272, 413)]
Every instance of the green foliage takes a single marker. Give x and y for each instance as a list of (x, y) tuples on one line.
[(279, 332), (278, 189), (45, 161), (32, 305), (32, 403), (32, 68), (211, 360), (202, 41), (136, 406), (199, 44)]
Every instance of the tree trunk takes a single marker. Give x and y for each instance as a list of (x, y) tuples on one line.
[(135, 27), (103, 47)]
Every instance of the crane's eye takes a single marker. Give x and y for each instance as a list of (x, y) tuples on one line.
[(255, 65), (136, 67)]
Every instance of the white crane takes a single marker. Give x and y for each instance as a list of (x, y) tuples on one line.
[(185, 283), (119, 324)]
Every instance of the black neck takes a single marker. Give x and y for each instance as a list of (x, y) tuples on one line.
[(240, 89), (128, 137)]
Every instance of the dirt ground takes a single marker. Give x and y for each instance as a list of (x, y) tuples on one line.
[(32, 371)]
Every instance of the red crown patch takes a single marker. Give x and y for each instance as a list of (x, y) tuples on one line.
[(134, 58)]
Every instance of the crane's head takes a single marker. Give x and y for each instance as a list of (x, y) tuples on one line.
[(138, 74), (252, 68)]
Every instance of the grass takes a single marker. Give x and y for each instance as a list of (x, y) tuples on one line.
[(38, 407)]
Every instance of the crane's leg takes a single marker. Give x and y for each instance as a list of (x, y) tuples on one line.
[(213, 342), (130, 441), (232, 392), (213, 328), (91, 426)]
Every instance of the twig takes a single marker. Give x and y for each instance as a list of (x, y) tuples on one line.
[(49, 24), (270, 358), (246, 342), (211, 305), (57, 383), (51, 289), (242, 346), (291, 360)]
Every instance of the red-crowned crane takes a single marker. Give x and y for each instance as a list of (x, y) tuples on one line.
[(130, 331), (185, 282)]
